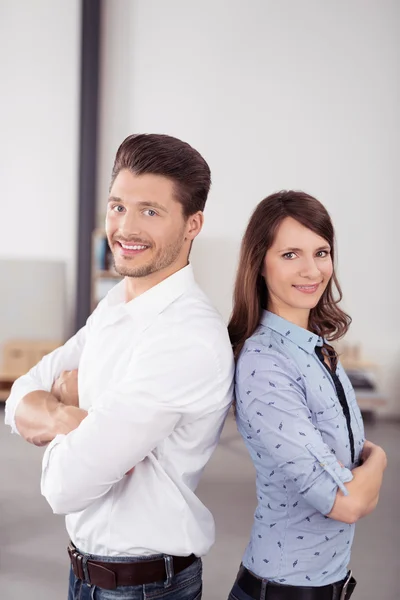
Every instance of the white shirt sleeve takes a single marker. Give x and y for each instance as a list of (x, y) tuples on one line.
[(43, 375), (171, 381)]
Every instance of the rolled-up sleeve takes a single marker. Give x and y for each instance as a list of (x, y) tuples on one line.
[(159, 394), (274, 403)]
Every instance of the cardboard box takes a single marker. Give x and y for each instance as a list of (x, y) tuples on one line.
[(21, 355)]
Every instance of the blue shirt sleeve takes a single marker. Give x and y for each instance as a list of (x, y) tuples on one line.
[(272, 398)]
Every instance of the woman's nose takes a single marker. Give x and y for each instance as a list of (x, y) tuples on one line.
[(310, 269)]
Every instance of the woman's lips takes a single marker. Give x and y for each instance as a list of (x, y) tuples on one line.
[(307, 289)]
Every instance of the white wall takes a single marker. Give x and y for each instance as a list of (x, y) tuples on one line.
[(40, 66), (284, 94)]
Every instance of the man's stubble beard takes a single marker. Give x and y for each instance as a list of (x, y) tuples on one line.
[(163, 259)]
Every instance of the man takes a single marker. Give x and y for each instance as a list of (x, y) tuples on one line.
[(155, 371)]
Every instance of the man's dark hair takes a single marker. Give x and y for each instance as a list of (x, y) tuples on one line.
[(167, 156)]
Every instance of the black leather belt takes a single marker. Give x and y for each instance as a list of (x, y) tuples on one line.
[(110, 575), (262, 589)]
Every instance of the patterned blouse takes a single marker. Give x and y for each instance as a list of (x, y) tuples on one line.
[(302, 426)]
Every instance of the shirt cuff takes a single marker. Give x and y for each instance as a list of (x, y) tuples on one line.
[(18, 391), (46, 457), (323, 491), (9, 414)]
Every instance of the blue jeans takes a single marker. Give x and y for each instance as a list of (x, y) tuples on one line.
[(186, 585)]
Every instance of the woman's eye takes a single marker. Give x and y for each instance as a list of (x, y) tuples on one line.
[(323, 253), (289, 255)]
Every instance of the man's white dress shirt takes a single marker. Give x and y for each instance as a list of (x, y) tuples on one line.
[(156, 376)]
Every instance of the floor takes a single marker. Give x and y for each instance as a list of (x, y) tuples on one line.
[(28, 529)]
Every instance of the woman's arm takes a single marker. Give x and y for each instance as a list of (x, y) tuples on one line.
[(270, 392), (271, 398), (363, 490)]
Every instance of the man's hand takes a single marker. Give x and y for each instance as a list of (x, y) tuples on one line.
[(64, 420), (40, 417), (65, 388)]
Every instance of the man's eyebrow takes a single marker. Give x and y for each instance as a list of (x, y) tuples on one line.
[(143, 204), (147, 204)]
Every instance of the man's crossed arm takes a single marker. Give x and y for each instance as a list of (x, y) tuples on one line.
[(44, 401), (41, 415), (131, 416)]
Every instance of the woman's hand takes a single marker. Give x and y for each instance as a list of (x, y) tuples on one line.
[(369, 448)]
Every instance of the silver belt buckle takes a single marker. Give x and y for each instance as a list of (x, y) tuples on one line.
[(345, 586)]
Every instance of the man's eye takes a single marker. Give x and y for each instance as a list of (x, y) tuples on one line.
[(118, 208), (150, 212)]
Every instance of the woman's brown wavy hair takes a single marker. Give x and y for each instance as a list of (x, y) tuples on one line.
[(251, 294)]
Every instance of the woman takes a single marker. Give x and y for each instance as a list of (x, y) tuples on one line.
[(296, 408)]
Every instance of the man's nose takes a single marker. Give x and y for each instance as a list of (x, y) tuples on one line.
[(129, 225)]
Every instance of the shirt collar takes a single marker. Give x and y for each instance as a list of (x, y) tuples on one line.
[(151, 303), (301, 337)]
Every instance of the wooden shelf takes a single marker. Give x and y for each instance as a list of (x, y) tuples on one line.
[(103, 275)]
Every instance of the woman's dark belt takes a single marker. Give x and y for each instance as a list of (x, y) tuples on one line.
[(254, 586), (110, 575)]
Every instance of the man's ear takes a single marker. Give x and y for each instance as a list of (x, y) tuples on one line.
[(194, 225)]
